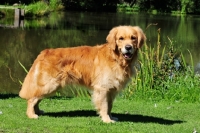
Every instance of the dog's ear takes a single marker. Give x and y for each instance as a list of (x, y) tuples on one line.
[(111, 38), (141, 36)]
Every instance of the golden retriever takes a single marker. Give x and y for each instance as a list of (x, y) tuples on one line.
[(105, 69)]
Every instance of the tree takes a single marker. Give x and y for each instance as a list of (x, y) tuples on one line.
[(91, 5)]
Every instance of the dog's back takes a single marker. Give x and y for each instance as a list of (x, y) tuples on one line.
[(57, 67)]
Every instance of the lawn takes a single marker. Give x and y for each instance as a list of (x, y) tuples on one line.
[(77, 115)]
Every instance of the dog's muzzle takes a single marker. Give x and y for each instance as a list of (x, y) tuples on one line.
[(128, 51)]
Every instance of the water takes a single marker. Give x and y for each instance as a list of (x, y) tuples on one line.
[(66, 29)]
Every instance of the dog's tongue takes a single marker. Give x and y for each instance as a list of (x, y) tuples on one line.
[(127, 55)]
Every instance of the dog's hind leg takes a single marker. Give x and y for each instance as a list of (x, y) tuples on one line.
[(32, 107)]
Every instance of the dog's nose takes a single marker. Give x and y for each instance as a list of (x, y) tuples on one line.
[(128, 47)]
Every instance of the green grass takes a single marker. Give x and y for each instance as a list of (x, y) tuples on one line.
[(35, 9), (77, 115), (40, 8)]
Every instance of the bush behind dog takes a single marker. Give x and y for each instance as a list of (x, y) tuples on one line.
[(164, 75)]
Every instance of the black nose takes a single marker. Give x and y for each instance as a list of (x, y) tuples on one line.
[(128, 47)]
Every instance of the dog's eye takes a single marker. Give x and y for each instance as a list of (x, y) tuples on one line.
[(133, 38), (121, 38)]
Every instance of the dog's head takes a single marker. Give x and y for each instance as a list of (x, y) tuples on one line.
[(126, 39)]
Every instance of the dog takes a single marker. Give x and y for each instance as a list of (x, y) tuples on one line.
[(105, 69)]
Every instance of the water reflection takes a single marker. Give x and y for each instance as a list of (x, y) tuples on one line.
[(65, 29)]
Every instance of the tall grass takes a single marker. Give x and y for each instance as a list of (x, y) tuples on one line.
[(37, 9), (164, 75)]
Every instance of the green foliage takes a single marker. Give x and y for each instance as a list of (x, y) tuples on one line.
[(190, 6), (127, 8), (155, 6), (164, 74), (167, 6), (42, 8), (55, 5), (75, 91), (80, 92), (23, 67), (11, 2), (37, 9), (91, 5)]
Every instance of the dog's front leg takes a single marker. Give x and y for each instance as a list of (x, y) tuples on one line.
[(111, 96), (103, 100)]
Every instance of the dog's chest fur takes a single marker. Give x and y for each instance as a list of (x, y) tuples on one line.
[(112, 74)]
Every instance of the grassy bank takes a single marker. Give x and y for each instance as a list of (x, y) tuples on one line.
[(36, 9), (77, 115), (41, 8)]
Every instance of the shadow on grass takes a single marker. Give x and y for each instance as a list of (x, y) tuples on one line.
[(6, 96), (122, 117)]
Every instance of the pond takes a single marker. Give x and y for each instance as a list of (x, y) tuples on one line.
[(66, 29)]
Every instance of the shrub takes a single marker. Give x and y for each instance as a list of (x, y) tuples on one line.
[(42, 8), (37, 9)]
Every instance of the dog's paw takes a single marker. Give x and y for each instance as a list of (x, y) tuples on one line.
[(109, 119), (32, 116)]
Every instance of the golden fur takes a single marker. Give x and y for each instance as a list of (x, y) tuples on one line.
[(105, 69)]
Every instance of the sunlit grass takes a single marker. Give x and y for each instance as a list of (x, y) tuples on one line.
[(42, 8), (37, 9), (77, 115)]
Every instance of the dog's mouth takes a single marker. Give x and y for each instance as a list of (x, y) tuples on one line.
[(127, 56), (127, 52)]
